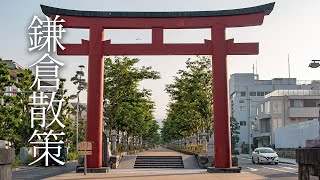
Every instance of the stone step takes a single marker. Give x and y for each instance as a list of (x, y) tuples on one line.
[(159, 162), (159, 166), (159, 157)]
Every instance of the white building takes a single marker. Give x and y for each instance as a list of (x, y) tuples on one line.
[(246, 91), (15, 68), (282, 108)]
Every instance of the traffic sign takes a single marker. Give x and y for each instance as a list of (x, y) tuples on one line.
[(85, 146), (85, 152)]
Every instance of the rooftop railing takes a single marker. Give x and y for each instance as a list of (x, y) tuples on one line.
[(294, 92)]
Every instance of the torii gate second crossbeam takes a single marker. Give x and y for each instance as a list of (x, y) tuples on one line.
[(218, 47)]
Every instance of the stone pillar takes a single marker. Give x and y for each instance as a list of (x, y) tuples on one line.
[(194, 140), (210, 152), (7, 157), (113, 142), (204, 143), (23, 155), (125, 143)]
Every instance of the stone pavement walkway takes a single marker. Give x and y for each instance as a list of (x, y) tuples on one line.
[(158, 174), (189, 161), (191, 171)]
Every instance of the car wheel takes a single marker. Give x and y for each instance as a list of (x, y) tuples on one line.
[(253, 161), (276, 163)]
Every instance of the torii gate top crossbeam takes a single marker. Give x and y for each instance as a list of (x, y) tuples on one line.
[(158, 21), (168, 20)]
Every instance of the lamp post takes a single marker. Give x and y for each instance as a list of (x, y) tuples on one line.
[(316, 64), (249, 125)]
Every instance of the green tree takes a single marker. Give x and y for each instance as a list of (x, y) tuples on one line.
[(82, 85), (126, 108), (235, 127), (190, 108), (25, 80)]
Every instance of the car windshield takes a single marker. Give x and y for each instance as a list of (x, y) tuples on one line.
[(267, 150)]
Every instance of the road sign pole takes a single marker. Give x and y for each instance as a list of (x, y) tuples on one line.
[(85, 162)]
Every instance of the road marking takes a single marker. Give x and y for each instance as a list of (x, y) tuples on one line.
[(290, 168), (252, 169), (286, 164), (280, 170), (244, 158)]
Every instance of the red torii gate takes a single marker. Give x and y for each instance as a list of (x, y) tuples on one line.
[(218, 47)]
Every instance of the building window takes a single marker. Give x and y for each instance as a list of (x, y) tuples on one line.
[(309, 103), (267, 107), (242, 93), (295, 103), (243, 108), (260, 93), (257, 112), (243, 123), (253, 93), (261, 108), (265, 93)]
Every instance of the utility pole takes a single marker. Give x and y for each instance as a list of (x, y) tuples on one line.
[(80, 88), (249, 124), (77, 120)]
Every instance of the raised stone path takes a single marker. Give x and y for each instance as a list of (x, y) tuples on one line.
[(189, 161), (191, 170)]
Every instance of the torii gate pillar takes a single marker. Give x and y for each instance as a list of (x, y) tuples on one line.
[(95, 98), (221, 97)]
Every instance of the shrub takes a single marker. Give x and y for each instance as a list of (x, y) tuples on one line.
[(16, 162), (73, 155), (32, 159), (245, 148), (235, 152)]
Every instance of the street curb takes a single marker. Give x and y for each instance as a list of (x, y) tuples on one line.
[(287, 162)]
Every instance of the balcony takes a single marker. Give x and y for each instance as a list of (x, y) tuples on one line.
[(305, 112)]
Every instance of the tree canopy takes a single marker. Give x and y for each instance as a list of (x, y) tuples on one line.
[(190, 109), (126, 107)]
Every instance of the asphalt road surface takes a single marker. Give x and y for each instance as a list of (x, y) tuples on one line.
[(37, 173), (270, 171)]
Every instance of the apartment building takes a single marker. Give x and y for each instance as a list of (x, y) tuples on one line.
[(282, 108), (246, 91)]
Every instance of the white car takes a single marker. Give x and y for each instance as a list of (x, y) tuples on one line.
[(264, 155)]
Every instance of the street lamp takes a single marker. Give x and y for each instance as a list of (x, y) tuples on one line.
[(314, 64)]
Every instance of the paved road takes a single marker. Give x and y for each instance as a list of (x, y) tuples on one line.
[(280, 171), (37, 173)]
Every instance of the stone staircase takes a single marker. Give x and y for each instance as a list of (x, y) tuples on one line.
[(158, 162)]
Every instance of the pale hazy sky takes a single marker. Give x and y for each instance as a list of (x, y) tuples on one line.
[(293, 27)]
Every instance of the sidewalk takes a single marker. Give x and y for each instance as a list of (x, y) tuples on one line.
[(190, 172), (281, 160), (159, 174)]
